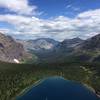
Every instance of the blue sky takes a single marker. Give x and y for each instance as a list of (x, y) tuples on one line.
[(68, 8), (57, 19)]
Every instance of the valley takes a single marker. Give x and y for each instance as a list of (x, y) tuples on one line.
[(52, 42), (23, 63)]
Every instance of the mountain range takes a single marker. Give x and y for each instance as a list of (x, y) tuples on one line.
[(53, 59), (49, 50), (76, 49)]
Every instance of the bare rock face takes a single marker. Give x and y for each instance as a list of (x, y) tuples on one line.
[(42, 44), (11, 50), (91, 44)]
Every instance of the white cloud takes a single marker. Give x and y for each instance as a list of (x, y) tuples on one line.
[(18, 6), (4, 30), (68, 6), (84, 25), (71, 7)]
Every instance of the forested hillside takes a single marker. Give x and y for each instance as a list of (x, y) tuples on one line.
[(14, 78)]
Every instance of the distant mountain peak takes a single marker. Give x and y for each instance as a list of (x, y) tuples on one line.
[(91, 43), (76, 38), (71, 42), (40, 44)]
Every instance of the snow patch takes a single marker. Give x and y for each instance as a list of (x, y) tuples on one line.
[(16, 61)]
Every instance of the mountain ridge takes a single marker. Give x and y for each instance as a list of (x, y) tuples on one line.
[(11, 51), (49, 50)]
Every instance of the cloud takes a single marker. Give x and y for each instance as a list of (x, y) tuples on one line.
[(68, 6), (71, 6), (19, 6), (4, 30), (84, 25)]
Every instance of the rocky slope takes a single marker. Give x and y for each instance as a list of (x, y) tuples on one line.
[(49, 50), (90, 48), (11, 51), (39, 45), (91, 44), (71, 42)]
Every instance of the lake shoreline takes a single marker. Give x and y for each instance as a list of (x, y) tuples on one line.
[(40, 81), (92, 89), (98, 94), (28, 88)]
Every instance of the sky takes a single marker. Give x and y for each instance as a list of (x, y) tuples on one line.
[(57, 19)]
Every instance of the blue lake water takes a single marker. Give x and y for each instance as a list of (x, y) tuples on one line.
[(57, 88)]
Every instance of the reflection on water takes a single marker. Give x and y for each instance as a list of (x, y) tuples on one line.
[(57, 88)]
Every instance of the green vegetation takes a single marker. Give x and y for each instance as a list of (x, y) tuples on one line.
[(16, 77), (32, 60)]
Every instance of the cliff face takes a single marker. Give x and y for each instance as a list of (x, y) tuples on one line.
[(11, 51)]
